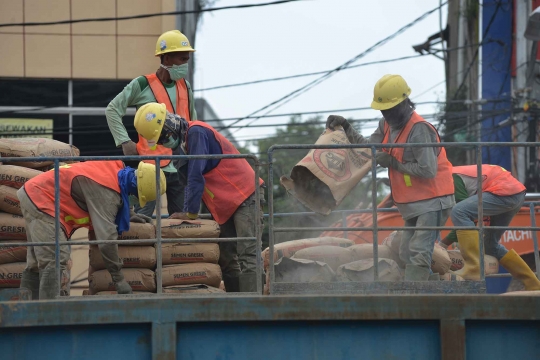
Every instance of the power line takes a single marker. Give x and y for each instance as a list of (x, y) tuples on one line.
[(143, 16), (339, 68)]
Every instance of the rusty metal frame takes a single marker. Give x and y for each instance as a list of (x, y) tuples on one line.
[(158, 240), (318, 287)]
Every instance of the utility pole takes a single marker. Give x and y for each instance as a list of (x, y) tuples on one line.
[(187, 24)]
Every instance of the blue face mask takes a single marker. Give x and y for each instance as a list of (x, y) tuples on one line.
[(177, 72)]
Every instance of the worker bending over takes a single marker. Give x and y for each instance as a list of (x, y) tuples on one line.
[(502, 197), (168, 86), (92, 194), (227, 187), (420, 177)]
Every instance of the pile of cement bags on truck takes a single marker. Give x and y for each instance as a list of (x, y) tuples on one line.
[(13, 175), (187, 268), (328, 259)]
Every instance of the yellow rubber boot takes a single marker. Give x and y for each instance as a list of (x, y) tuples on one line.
[(520, 270), (470, 250)]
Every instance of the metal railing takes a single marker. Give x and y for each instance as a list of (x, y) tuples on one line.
[(374, 210), (158, 240)]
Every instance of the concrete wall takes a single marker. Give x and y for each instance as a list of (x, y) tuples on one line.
[(94, 50)]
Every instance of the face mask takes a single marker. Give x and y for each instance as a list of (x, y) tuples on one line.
[(177, 72), (133, 200)]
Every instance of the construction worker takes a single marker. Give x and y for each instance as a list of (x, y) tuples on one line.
[(420, 177), (92, 194), (168, 86), (226, 186), (502, 197)]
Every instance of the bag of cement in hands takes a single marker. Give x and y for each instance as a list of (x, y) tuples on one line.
[(334, 256), (11, 274), (491, 264), (9, 202), (138, 279), (363, 270), (323, 178), (365, 251), (196, 273), (289, 248), (11, 254), (12, 227), (190, 253), (16, 176), (143, 257), (174, 228), (192, 289), (302, 271), (35, 147)]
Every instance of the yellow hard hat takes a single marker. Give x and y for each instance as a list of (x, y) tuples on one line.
[(172, 41), (146, 182), (149, 120), (389, 91)]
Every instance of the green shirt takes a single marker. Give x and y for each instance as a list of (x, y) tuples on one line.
[(460, 193), (138, 93)]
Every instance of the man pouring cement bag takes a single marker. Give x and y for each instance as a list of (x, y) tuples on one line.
[(420, 177), (92, 194), (226, 186), (502, 197)]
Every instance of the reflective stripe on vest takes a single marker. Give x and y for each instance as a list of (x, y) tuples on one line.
[(495, 179), (41, 190), (230, 183), (407, 188), (182, 109)]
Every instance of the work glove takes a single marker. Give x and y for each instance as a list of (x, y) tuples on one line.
[(335, 120), (386, 160), (139, 218), (129, 148), (183, 216)]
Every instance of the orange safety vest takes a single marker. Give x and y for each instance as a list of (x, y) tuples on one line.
[(407, 188), (230, 183), (41, 190), (182, 109), (495, 179)]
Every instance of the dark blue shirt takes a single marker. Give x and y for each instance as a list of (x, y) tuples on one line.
[(200, 141)]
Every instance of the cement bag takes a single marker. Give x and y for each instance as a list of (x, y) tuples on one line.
[(393, 241), (363, 270), (192, 289), (491, 264), (138, 279), (11, 254), (451, 277), (196, 273), (143, 257), (35, 147), (137, 231), (365, 251), (522, 293), (323, 178), (9, 202), (174, 228), (190, 253), (16, 176), (334, 256), (12, 227), (289, 248), (302, 271), (440, 261), (11, 274), (116, 293)]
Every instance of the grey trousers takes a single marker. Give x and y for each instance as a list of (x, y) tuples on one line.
[(241, 257), (417, 245)]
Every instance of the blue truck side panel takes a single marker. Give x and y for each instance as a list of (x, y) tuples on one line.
[(273, 327), (496, 76)]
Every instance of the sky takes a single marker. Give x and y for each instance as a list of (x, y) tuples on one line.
[(308, 36)]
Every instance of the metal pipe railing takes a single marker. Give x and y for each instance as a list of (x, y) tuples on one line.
[(158, 241), (375, 228)]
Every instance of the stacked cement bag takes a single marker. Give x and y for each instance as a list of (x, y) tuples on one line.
[(139, 262), (491, 264), (35, 147), (190, 268)]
